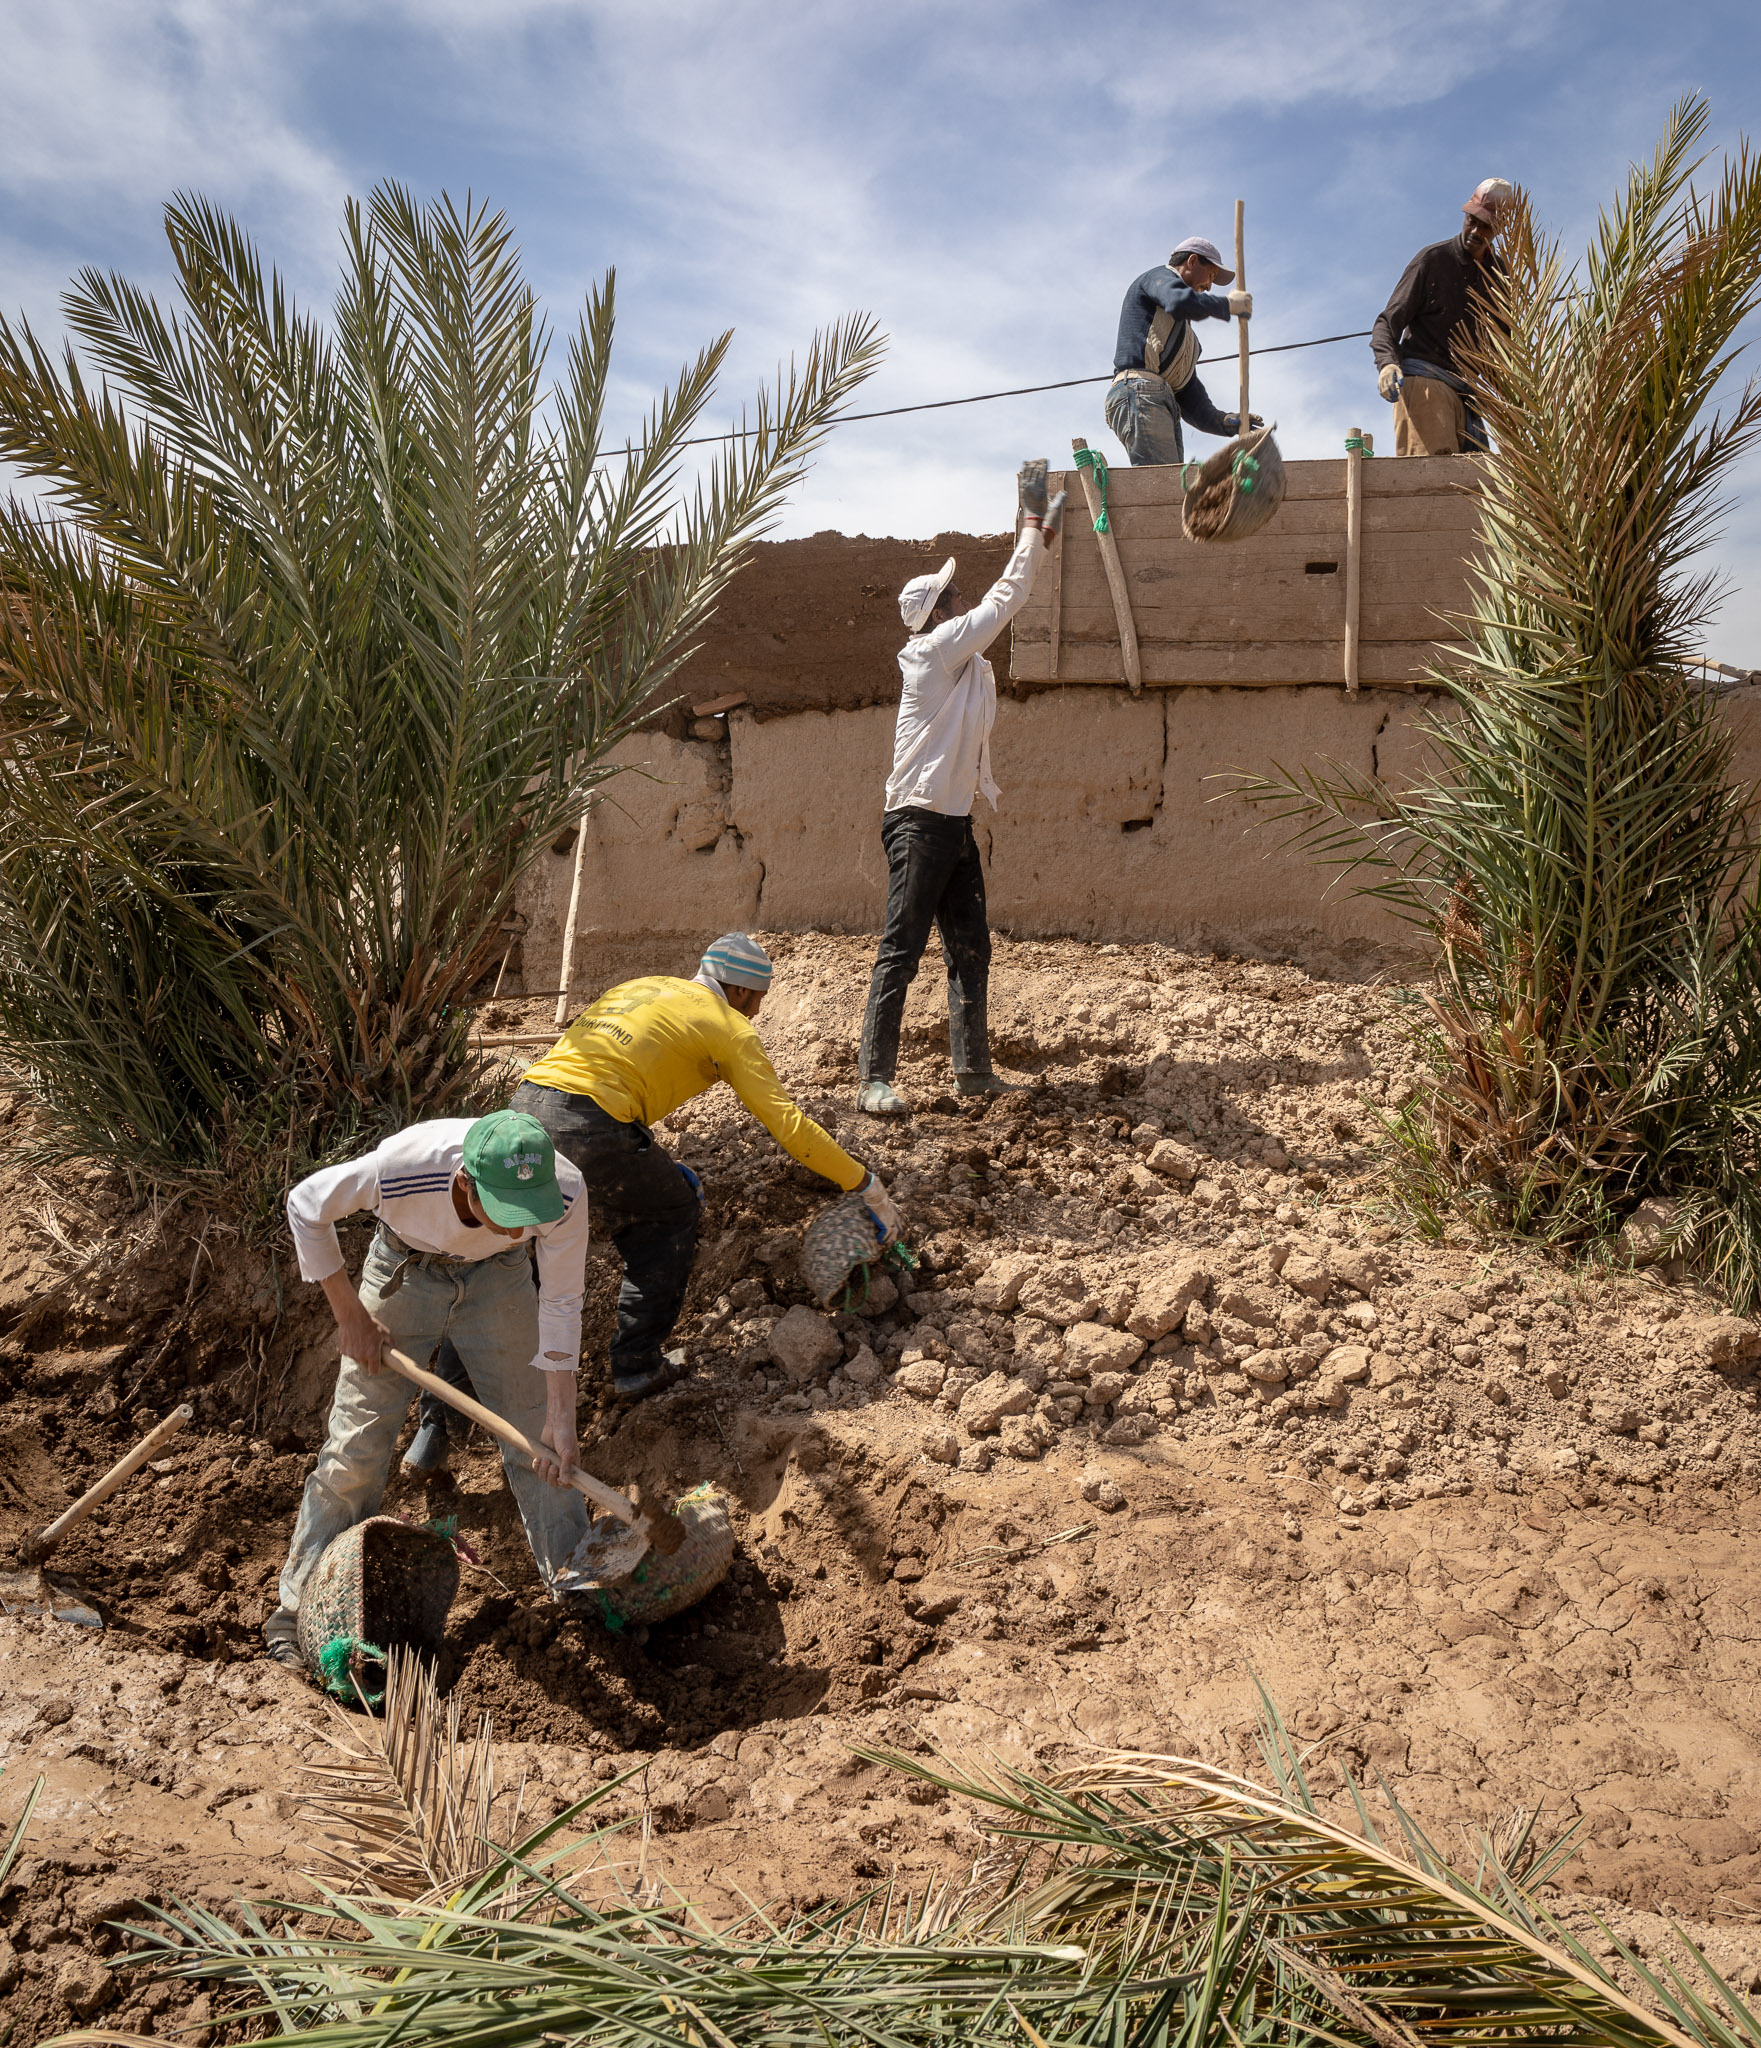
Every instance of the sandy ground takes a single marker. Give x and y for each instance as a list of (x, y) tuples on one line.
[(1172, 1406)]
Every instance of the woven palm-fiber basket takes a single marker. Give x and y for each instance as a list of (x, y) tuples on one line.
[(381, 1583), (842, 1237), (660, 1587), (1236, 491)]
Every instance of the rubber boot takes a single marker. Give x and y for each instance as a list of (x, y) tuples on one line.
[(428, 1449), (986, 1084), (668, 1368), (876, 1098), (281, 1639)]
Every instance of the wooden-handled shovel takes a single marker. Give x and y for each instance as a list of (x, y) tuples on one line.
[(666, 1532), (31, 1587)]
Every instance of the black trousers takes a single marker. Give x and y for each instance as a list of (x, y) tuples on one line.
[(934, 876), (639, 1197), (431, 1410)]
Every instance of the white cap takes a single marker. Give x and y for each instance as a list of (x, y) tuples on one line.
[(1196, 245), (918, 599), (1488, 200)]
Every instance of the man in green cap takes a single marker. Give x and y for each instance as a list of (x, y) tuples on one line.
[(459, 1205)]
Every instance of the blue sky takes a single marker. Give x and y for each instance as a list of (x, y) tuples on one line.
[(985, 179)]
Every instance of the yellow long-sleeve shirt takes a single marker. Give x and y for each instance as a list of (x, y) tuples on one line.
[(648, 1045)]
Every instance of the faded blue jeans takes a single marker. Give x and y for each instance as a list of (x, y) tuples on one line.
[(490, 1311), (1141, 411)]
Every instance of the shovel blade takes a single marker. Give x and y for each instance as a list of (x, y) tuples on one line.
[(34, 1592), (609, 1551)]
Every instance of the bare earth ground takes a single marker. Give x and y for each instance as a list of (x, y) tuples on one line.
[(1150, 1424)]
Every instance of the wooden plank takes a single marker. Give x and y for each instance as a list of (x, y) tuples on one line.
[(1164, 577), (1116, 583), (1064, 483), (1354, 552), (1170, 664), (1252, 614), (1291, 609), (1406, 476)]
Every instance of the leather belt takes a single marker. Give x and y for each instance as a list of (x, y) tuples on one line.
[(407, 1257)]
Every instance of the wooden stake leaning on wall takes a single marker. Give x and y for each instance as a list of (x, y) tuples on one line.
[(567, 976), (1057, 627), (1097, 511), (1354, 549)]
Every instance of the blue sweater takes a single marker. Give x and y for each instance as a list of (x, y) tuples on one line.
[(1163, 289)]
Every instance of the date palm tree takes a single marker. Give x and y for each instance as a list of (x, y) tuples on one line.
[(1578, 851), (313, 636)]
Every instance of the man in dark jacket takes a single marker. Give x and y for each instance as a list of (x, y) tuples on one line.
[(1435, 311), (1155, 383)]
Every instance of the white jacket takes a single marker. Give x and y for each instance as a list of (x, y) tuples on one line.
[(407, 1183), (942, 743)]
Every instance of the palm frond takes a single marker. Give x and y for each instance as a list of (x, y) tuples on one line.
[(1138, 1899), (408, 1809)]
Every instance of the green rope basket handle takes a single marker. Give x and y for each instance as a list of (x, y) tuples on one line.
[(1187, 474), (338, 1662), (1245, 468), (1092, 458), (898, 1254)]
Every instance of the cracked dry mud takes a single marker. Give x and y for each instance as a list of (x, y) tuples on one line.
[(1482, 1526)]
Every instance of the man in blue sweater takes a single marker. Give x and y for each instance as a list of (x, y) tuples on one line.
[(1155, 362)]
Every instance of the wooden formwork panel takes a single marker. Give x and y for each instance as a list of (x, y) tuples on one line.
[(1270, 609)]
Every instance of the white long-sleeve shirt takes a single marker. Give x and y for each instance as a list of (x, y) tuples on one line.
[(407, 1183), (942, 742)]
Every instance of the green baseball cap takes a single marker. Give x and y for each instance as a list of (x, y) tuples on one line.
[(512, 1163)]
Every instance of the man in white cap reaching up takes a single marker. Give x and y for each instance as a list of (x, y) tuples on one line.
[(1422, 334), (941, 761), (1155, 359), (625, 1062)]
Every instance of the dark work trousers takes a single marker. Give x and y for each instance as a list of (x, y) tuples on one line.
[(430, 1408), (638, 1196), (934, 876)]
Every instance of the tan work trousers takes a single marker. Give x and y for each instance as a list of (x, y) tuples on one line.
[(1429, 418)]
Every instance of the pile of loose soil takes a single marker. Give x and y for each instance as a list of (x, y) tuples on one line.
[(1169, 1406)]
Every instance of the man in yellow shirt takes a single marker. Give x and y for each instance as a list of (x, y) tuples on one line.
[(625, 1062)]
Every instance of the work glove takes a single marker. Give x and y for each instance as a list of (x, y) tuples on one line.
[(1030, 489), (1388, 381), (880, 1205), (1241, 304), (1232, 420), (691, 1180), (1054, 518)]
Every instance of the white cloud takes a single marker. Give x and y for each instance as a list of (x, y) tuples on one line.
[(111, 106), (985, 179)]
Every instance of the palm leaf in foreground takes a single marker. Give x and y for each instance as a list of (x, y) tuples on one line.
[(1140, 1902), (408, 1807)]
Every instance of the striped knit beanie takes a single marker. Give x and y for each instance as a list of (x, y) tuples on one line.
[(737, 961)]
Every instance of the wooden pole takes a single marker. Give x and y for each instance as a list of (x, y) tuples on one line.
[(1115, 578), (1241, 286), (566, 977), (653, 1522), (125, 1467), (1057, 599), (1354, 543)]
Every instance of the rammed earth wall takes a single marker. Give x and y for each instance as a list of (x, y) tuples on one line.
[(1116, 820)]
